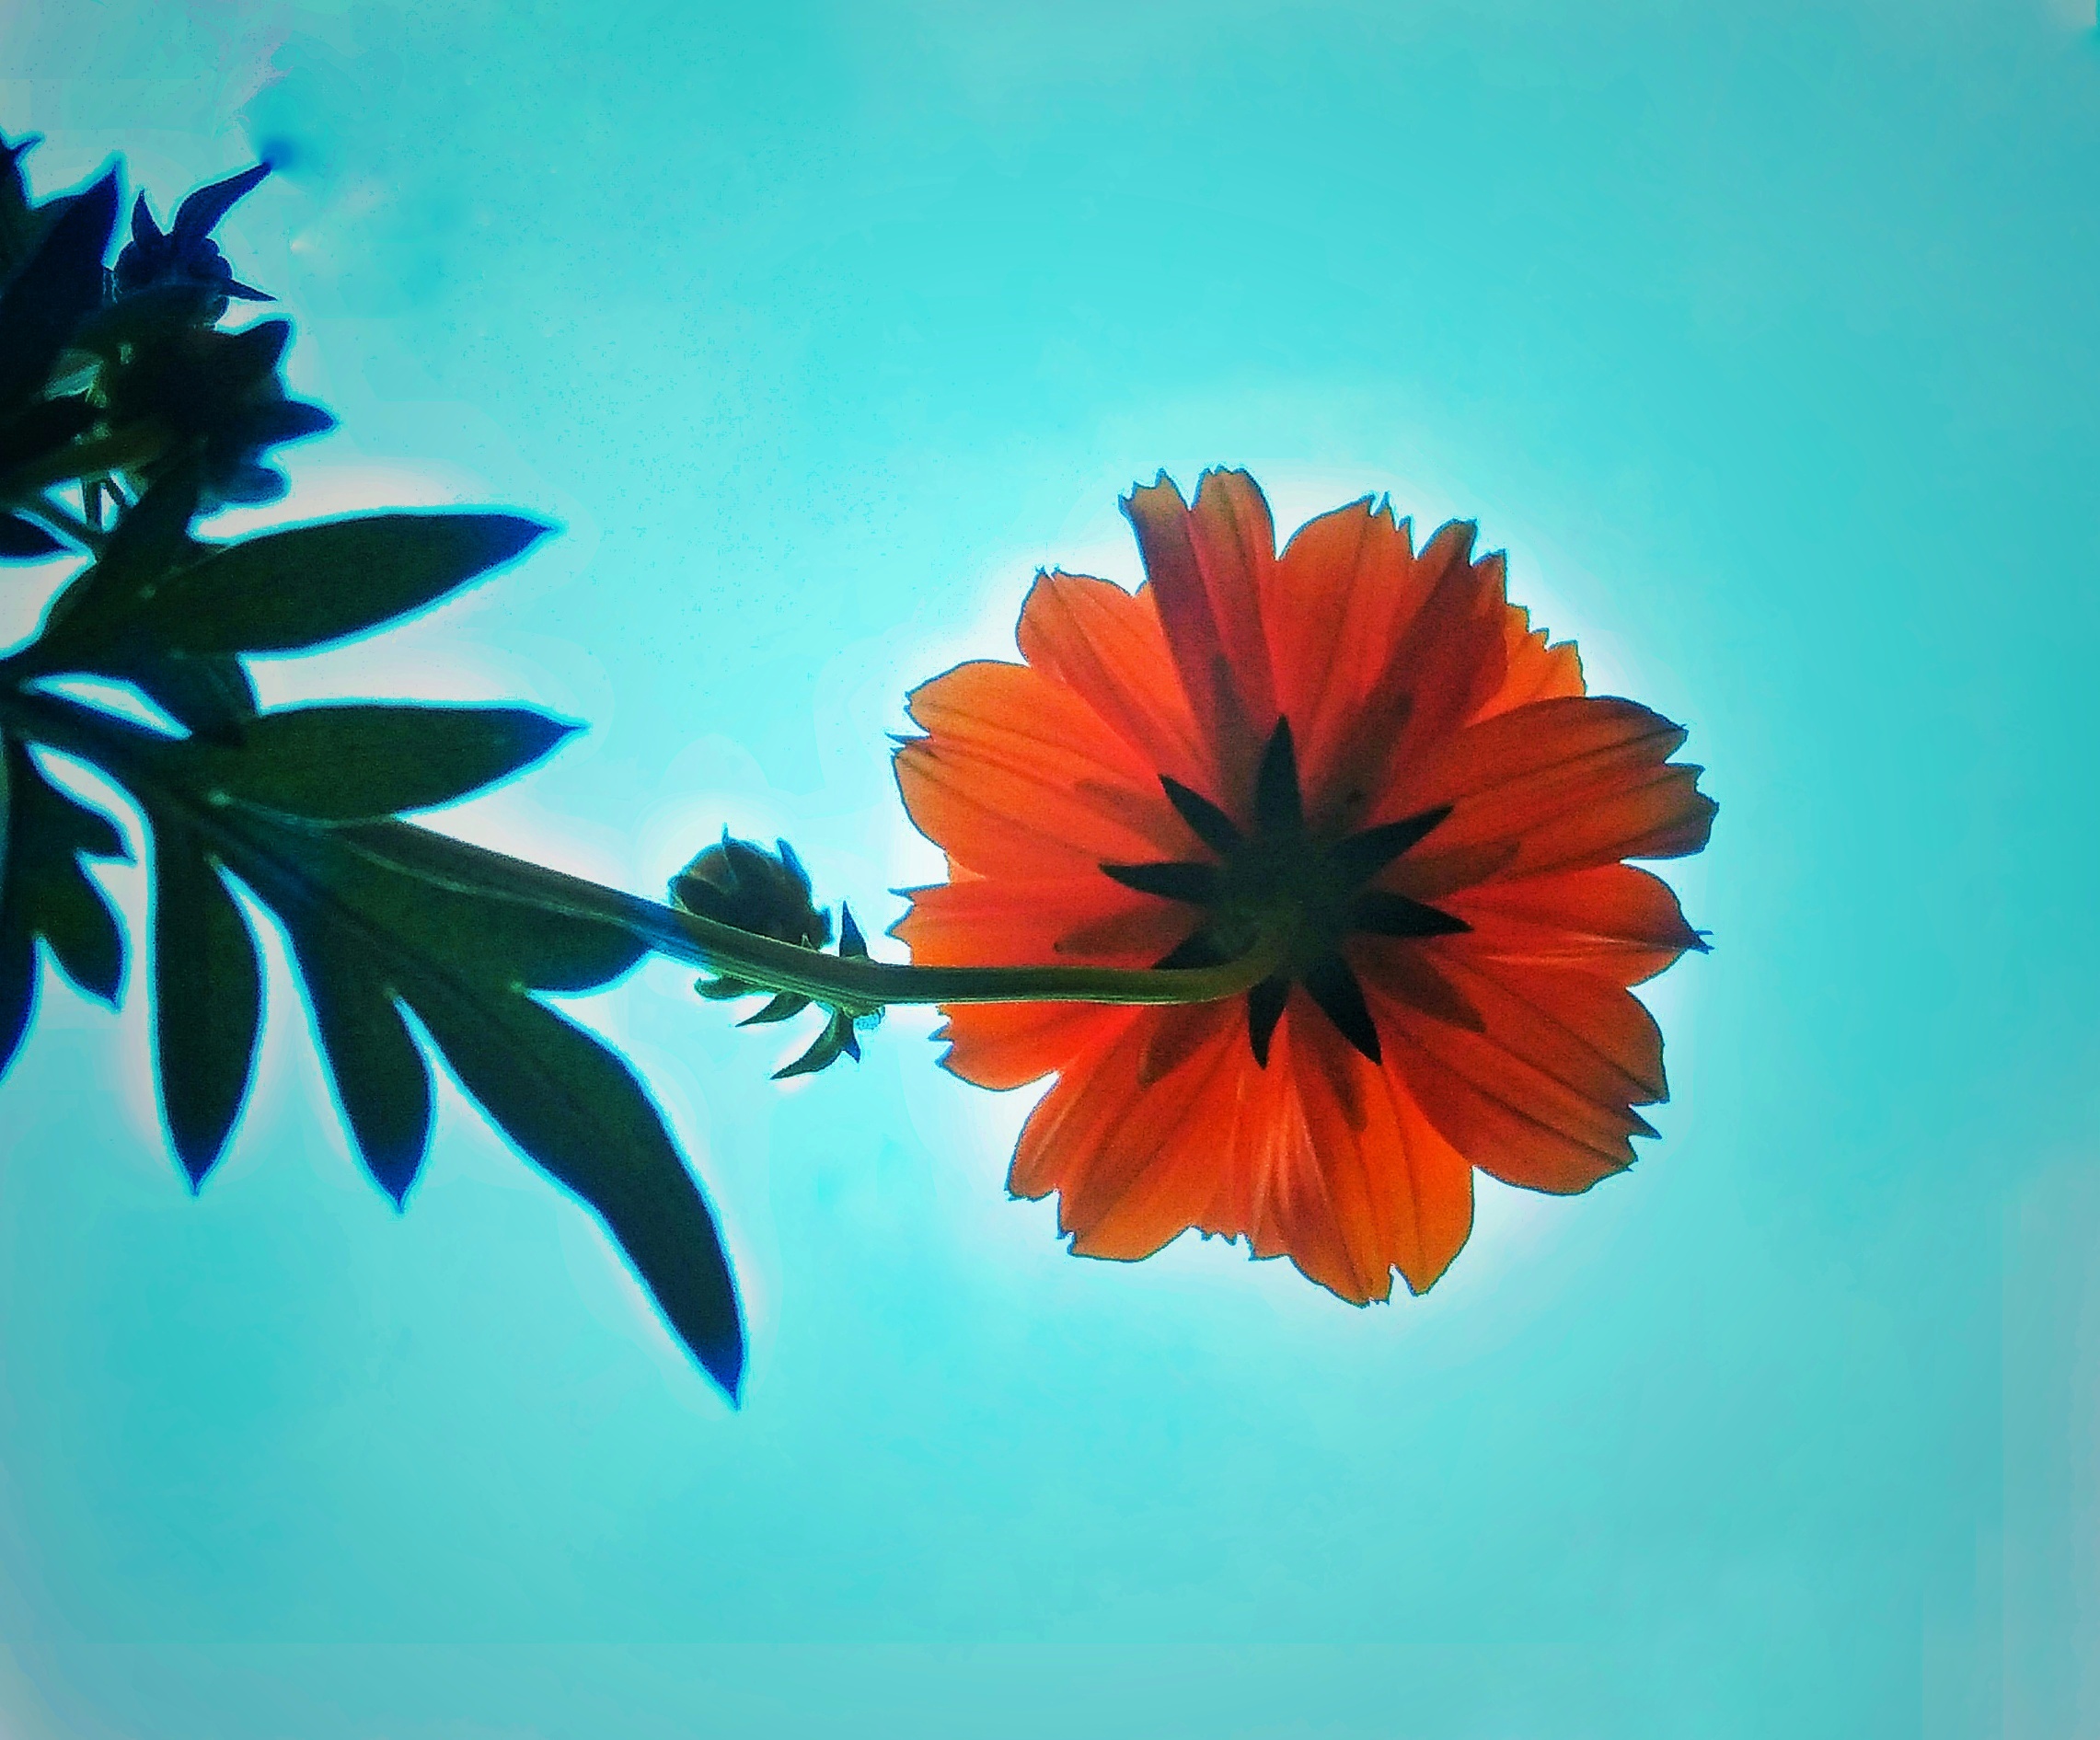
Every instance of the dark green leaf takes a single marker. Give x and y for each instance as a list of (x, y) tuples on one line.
[(25, 541), (19, 220), (75, 920), (575, 1109), (54, 822), (354, 763), (61, 819), (17, 959), (207, 996), (18, 988), (43, 889), (283, 592), (40, 426), (151, 541), (383, 916), (381, 1081), (58, 286), (209, 695), (363, 926)]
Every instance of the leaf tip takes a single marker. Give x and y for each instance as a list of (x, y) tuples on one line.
[(512, 534), (724, 1364)]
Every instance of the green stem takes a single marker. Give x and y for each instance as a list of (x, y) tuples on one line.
[(855, 982), (139, 758)]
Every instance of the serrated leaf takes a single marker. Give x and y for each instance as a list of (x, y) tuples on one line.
[(576, 1111), (285, 592), (381, 1081), (355, 763), (207, 995), (58, 286), (444, 949)]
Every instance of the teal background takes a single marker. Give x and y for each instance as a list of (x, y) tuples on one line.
[(1763, 335)]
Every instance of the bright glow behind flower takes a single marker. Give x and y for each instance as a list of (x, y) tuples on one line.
[(1360, 749)]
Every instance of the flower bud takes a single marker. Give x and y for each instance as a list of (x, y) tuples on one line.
[(739, 882)]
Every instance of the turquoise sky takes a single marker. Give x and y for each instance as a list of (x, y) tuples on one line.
[(1763, 335)]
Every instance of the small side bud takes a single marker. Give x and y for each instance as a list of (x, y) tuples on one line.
[(739, 882)]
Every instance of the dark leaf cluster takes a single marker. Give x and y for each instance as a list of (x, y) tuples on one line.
[(113, 378), (408, 945)]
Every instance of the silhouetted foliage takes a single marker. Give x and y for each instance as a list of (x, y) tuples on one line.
[(127, 414)]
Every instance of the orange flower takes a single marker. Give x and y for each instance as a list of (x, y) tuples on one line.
[(1371, 749)]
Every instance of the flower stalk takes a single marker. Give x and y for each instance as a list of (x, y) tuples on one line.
[(149, 761)]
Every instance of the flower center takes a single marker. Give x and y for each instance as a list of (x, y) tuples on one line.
[(1281, 880)]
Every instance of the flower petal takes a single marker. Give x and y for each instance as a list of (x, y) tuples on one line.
[(1101, 1128), (1498, 1106), (1003, 1045), (1009, 922), (1108, 648), (1445, 662), (1611, 918), (1208, 568), (1343, 583), (1017, 775), (1013, 713), (1537, 670), (1591, 1035), (1390, 1192), (1572, 782)]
